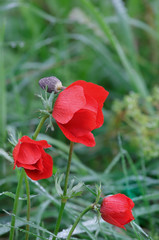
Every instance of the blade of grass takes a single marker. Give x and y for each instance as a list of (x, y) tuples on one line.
[(135, 171), (124, 29), (41, 211), (3, 106), (112, 164), (136, 80), (30, 223)]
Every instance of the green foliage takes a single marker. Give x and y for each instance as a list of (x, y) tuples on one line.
[(110, 43), (138, 127)]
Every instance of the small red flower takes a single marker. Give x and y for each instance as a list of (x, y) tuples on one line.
[(116, 210), (30, 155), (78, 111)]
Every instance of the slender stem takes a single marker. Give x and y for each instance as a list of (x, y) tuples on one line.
[(28, 206), (64, 198), (68, 168), (78, 219), (22, 175), (39, 127), (59, 219), (16, 204)]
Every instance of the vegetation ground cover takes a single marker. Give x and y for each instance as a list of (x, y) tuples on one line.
[(110, 43)]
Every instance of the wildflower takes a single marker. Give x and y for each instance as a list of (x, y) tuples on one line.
[(116, 210), (78, 111), (30, 155)]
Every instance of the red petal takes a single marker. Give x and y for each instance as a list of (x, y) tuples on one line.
[(126, 202), (68, 102), (83, 122), (29, 153), (15, 153), (40, 165), (112, 221), (91, 104), (130, 203), (87, 139), (125, 217), (98, 93), (47, 169), (26, 166), (100, 118), (42, 143), (93, 90), (37, 166)]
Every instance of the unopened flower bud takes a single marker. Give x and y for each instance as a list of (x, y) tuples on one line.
[(51, 84), (117, 210)]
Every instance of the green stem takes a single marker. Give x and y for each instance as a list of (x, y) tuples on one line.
[(59, 219), (68, 168), (39, 127), (78, 219), (28, 206), (64, 197), (22, 175), (16, 204)]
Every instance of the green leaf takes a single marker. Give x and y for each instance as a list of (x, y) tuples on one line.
[(4, 154), (58, 181)]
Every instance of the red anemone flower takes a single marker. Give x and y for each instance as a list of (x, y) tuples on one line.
[(30, 155), (78, 111), (116, 210)]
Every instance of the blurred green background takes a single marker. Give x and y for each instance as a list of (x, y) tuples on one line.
[(112, 43)]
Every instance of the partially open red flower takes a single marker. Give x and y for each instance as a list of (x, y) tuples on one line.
[(116, 210), (78, 111), (30, 155)]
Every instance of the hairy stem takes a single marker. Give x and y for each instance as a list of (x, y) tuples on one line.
[(28, 206), (39, 127), (78, 219), (64, 198), (16, 204), (68, 168)]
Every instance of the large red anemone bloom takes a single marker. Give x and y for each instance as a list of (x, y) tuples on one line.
[(78, 111), (30, 155), (116, 210)]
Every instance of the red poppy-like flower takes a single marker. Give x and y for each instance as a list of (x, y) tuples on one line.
[(78, 111), (30, 155), (116, 210)]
